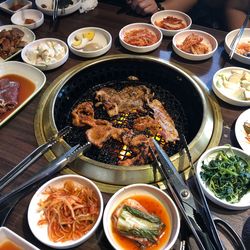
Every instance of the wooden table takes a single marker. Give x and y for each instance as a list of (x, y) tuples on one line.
[(17, 137)]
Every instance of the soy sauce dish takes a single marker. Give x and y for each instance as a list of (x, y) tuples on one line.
[(79, 204), (141, 216)]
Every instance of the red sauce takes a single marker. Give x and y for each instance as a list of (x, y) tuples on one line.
[(9, 245), (26, 88), (153, 206), (16, 7)]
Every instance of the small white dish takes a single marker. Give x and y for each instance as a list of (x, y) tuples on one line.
[(227, 94), (7, 5), (240, 132), (34, 214), (138, 190), (28, 37), (139, 26), (208, 39), (8, 235), (160, 15), (22, 16), (206, 157), (101, 37), (30, 53), (27, 71), (46, 7), (245, 38)]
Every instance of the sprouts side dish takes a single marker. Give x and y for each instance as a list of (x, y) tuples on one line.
[(141, 222), (195, 44), (171, 23), (140, 37), (235, 83), (244, 49), (227, 175), (69, 211), (246, 127)]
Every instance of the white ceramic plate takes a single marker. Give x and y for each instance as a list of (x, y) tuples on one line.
[(34, 215), (7, 234), (159, 15), (33, 45), (6, 5), (102, 37), (244, 203), (240, 132), (141, 189), (224, 94), (28, 37), (245, 38), (24, 70), (140, 49), (208, 39), (36, 15), (61, 12)]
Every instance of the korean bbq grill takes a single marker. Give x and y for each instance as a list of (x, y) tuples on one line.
[(182, 96)]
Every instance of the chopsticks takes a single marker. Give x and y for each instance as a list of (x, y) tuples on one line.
[(55, 11), (237, 38), (32, 157)]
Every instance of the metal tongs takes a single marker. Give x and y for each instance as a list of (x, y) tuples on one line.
[(8, 201), (195, 212), (32, 157)]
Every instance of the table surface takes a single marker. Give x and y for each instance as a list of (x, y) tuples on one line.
[(17, 135)]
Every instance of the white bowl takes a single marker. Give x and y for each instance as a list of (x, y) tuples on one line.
[(6, 5), (222, 92), (34, 215), (245, 38), (45, 66), (19, 18), (158, 16), (8, 235), (139, 190), (240, 132), (207, 38), (210, 154), (48, 10), (33, 74), (140, 49), (101, 37)]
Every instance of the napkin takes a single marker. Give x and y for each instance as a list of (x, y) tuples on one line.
[(87, 5)]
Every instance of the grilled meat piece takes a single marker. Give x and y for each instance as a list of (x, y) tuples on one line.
[(133, 221), (168, 131), (9, 91), (124, 101), (83, 114)]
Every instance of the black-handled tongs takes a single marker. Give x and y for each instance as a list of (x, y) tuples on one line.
[(32, 157), (195, 212)]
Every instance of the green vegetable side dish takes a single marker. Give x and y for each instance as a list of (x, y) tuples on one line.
[(227, 176)]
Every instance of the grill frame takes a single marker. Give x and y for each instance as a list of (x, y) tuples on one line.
[(109, 175)]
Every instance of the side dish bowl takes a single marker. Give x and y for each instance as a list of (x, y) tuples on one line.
[(208, 40), (35, 214), (29, 18), (46, 7), (140, 26), (160, 15), (6, 235), (209, 155), (13, 6), (245, 38), (231, 95), (240, 132), (46, 53), (142, 190), (100, 38)]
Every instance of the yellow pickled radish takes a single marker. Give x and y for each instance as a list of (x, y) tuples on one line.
[(89, 35), (76, 43)]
